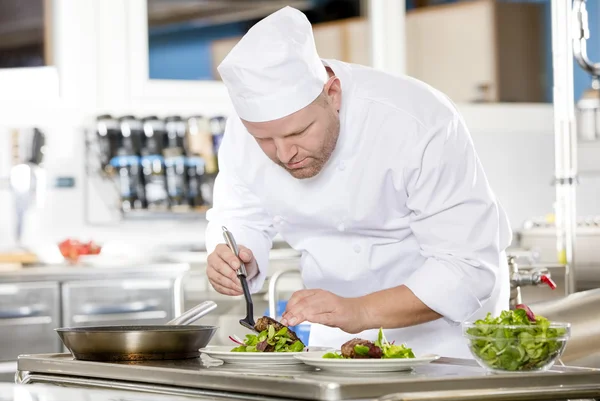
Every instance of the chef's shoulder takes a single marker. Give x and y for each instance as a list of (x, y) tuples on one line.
[(410, 98)]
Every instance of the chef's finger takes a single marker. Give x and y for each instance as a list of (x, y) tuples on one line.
[(246, 254), (313, 315), (295, 317), (303, 310), (219, 280), (229, 256), (298, 296), (225, 253), (224, 271), (225, 290), (224, 267)]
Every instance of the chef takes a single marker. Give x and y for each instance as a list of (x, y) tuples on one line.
[(372, 177)]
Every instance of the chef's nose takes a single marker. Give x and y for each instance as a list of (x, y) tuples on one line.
[(285, 150)]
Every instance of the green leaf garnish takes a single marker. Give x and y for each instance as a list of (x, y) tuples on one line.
[(361, 349), (279, 340)]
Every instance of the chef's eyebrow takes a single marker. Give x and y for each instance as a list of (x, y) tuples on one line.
[(302, 130)]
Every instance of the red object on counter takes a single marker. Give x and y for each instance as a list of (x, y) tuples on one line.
[(72, 249), (547, 280)]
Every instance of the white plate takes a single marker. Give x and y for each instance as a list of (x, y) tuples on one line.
[(224, 354), (363, 365)]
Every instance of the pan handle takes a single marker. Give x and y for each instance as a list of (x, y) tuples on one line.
[(194, 314)]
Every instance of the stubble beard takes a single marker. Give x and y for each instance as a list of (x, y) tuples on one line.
[(318, 161)]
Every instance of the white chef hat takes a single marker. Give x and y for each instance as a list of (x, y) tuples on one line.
[(274, 70)]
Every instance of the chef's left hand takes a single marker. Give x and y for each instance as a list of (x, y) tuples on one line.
[(323, 307)]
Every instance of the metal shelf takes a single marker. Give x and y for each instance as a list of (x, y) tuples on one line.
[(153, 215)]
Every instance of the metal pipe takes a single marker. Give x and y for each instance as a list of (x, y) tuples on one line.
[(565, 138), (386, 23), (273, 289), (582, 34)]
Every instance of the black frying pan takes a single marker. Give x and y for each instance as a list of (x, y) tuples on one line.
[(174, 340)]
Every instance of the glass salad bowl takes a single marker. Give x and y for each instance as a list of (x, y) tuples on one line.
[(504, 348)]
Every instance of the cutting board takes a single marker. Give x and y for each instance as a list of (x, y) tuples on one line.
[(21, 257)]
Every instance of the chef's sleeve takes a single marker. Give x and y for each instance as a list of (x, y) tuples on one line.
[(238, 209), (457, 221)]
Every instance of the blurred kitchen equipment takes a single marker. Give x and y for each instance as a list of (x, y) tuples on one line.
[(565, 148), (29, 311), (539, 235), (248, 321), (127, 161), (175, 340), (153, 164), (217, 130), (530, 277), (107, 134), (27, 177), (200, 141), (588, 106), (582, 310), (174, 154), (200, 157)]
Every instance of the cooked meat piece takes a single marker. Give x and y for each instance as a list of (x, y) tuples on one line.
[(348, 350), (264, 322), (265, 347)]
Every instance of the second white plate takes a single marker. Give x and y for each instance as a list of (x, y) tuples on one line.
[(363, 365)]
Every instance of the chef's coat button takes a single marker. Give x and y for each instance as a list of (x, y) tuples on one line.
[(341, 165), (277, 219), (341, 227), (356, 248)]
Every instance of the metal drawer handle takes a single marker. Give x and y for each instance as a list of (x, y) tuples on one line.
[(22, 311), (110, 309)]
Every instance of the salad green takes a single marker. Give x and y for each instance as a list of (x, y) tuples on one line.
[(388, 349), (270, 341), (517, 340)]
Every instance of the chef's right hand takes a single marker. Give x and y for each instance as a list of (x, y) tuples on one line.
[(222, 266)]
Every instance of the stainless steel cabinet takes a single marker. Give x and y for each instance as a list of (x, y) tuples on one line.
[(117, 302), (29, 313)]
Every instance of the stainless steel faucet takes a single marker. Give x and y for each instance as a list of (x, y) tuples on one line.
[(273, 289), (530, 277)]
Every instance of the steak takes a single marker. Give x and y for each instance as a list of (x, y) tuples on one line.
[(265, 347), (264, 322), (348, 350)]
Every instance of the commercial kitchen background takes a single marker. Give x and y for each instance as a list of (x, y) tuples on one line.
[(102, 57)]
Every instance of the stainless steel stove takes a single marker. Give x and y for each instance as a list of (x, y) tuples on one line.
[(446, 379)]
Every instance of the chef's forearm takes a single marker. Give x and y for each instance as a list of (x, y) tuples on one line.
[(394, 308)]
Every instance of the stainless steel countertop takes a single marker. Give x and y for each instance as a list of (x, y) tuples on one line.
[(16, 392), (205, 375), (66, 272)]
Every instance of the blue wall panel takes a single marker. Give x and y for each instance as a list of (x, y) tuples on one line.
[(184, 52)]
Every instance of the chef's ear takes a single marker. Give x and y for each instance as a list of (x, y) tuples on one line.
[(333, 90)]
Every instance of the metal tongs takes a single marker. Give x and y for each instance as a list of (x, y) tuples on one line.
[(248, 322)]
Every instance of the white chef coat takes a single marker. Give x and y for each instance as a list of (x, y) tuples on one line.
[(402, 200)]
